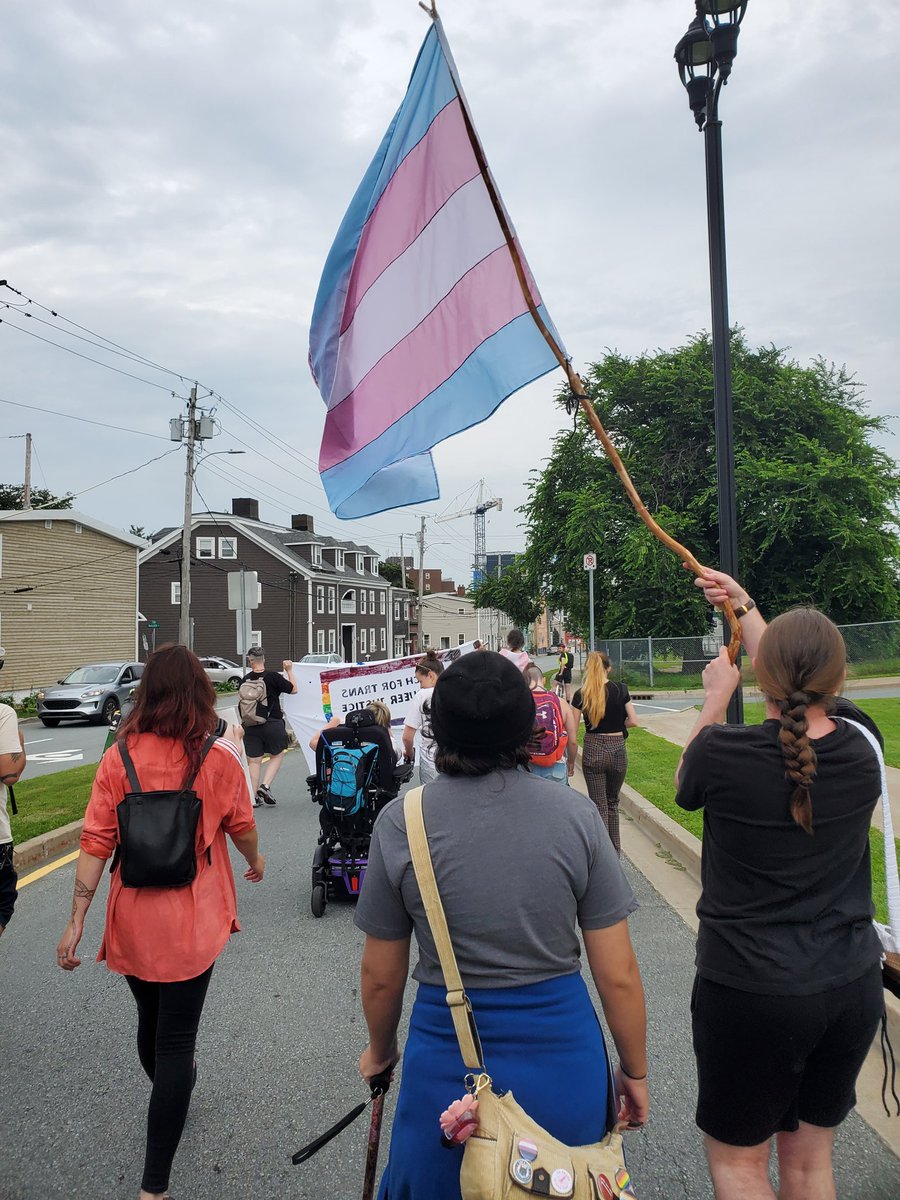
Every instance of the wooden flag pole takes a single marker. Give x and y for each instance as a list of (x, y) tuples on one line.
[(575, 382)]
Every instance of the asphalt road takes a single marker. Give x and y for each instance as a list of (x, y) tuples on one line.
[(277, 1051)]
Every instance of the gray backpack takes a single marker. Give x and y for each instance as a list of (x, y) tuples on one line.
[(251, 698)]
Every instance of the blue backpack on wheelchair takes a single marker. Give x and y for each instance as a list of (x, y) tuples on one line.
[(348, 776)]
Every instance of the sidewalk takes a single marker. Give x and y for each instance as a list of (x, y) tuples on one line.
[(675, 727)]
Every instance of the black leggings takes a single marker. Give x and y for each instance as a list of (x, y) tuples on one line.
[(8, 879), (168, 1017)]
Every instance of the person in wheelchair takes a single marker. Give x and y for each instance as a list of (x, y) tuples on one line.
[(366, 726)]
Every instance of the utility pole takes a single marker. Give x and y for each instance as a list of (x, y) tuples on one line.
[(184, 623), (402, 564), (419, 638), (26, 490)]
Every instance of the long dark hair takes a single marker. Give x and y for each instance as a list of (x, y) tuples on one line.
[(174, 699), (801, 660)]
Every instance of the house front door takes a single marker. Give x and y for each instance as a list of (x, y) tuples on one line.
[(348, 642)]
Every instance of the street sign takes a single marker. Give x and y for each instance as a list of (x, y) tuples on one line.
[(590, 562), (153, 624), (243, 590)]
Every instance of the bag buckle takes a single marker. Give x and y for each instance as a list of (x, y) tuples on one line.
[(477, 1083)]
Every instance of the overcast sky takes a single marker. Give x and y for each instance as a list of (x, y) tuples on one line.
[(173, 176)]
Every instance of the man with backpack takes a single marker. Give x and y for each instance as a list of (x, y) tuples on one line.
[(259, 707), (554, 745)]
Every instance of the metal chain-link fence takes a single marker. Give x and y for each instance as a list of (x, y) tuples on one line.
[(671, 664)]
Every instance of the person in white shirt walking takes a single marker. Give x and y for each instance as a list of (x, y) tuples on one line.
[(12, 764), (418, 741)]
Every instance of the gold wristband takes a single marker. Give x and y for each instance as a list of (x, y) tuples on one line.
[(743, 609)]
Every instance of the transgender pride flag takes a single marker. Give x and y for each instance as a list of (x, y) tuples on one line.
[(421, 326)]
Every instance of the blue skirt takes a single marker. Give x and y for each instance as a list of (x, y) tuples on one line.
[(543, 1042)]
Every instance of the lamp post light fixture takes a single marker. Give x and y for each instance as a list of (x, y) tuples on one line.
[(705, 56)]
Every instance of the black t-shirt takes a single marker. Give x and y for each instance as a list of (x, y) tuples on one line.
[(783, 912), (617, 696), (387, 755), (276, 685)]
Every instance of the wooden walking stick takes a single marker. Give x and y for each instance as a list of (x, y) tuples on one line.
[(575, 382), (372, 1147)]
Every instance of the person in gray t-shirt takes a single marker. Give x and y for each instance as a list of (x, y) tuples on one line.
[(521, 863)]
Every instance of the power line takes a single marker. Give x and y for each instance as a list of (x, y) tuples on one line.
[(68, 349), (94, 486), (85, 420)]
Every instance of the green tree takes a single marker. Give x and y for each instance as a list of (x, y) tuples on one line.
[(515, 593), (137, 531), (11, 497), (392, 573), (816, 499)]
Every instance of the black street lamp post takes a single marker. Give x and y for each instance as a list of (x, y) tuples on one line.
[(705, 56)]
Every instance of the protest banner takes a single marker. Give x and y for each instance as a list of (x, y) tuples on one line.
[(324, 692)]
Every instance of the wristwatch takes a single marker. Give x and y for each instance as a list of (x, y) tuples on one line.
[(743, 609)]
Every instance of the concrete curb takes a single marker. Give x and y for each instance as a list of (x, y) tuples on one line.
[(38, 850)]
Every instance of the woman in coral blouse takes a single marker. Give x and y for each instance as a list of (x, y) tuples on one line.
[(165, 940)]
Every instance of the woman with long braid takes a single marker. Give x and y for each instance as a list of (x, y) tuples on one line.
[(608, 711), (788, 992)]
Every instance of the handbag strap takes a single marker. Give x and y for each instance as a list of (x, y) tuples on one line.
[(892, 876), (458, 1001)]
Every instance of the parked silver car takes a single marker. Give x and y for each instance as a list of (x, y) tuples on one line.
[(94, 693), (223, 670), (322, 660)]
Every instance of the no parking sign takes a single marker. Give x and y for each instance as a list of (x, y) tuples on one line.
[(590, 562)]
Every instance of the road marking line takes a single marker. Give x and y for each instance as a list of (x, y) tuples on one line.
[(35, 741), (656, 707), (46, 870)]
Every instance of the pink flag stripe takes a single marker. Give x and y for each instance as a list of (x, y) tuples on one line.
[(485, 300), (462, 233), (441, 162)]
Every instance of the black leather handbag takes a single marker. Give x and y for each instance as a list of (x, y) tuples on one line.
[(158, 830)]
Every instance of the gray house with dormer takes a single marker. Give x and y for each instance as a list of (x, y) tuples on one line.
[(317, 594)]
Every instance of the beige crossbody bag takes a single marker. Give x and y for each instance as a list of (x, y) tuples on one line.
[(509, 1156)]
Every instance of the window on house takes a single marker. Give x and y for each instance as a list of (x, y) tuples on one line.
[(382, 603), (398, 647), (258, 594), (320, 641), (396, 610), (1, 555), (426, 640), (176, 593), (331, 592), (362, 600), (362, 641), (384, 639), (255, 637), (332, 640), (228, 547), (445, 643), (320, 598), (462, 639), (77, 527), (348, 602), (372, 602), (339, 559), (206, 547), (376, 563), (317, 556), (427, 574), (48, 524), (372, 639)]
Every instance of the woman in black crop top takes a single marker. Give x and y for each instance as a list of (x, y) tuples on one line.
[(608, 712)]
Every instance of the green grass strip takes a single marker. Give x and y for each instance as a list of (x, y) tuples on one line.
[(50, 801)]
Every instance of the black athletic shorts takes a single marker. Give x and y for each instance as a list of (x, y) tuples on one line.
[(270, 738), (765, 1063)]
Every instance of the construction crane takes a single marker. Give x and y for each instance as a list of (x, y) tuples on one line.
[(478, 512)]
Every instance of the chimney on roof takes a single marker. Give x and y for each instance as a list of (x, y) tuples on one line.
[(302, 522), (243, 506)]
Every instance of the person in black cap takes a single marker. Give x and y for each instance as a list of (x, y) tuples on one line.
[(521, 863)]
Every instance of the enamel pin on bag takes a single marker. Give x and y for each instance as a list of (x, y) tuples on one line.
[(509, 1156)]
